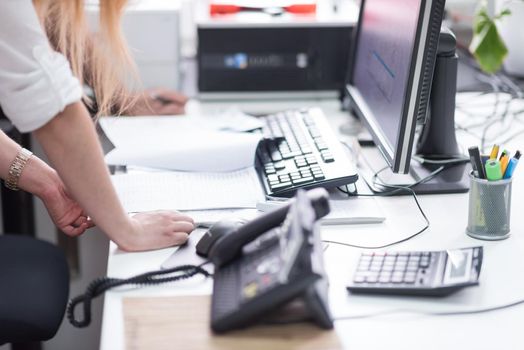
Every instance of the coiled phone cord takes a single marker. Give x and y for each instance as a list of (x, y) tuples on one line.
[(101, 285)]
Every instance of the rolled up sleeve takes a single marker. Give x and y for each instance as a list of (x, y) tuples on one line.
[(36, 83)]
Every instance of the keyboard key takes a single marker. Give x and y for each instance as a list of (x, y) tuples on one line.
[(284, 178), (270, 170), (327, 157), (281, 186), (302, 180), (311, 160), (272, 177), (280, 165)]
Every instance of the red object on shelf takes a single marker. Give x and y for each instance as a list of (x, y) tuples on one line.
[(224, 9), (305, 8)]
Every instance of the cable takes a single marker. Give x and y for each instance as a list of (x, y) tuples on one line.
[(443, 313), (101, 285), (395, 190)]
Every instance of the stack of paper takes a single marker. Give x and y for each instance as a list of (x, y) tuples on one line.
[(145, 191), (177, 143)]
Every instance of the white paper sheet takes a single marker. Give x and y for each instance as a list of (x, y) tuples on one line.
[(145, 191), (177, 143)]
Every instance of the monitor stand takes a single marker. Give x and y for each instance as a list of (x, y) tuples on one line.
[(451, 180), (437, 140)]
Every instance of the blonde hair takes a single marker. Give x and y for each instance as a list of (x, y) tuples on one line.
[(100, 60)]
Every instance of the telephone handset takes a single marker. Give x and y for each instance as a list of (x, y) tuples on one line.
[(230, 244), (272, 261)]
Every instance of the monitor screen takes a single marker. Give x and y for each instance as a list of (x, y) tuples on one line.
[(392, 71)]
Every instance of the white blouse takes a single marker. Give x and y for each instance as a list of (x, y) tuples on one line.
[(36, 83)]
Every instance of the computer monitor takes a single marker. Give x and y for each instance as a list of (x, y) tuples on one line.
[(392, 87)]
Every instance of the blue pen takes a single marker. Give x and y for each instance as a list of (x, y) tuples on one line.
[(512, 165)]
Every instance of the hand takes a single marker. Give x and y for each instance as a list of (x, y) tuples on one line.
[(160, 102), (65, 212), (158, 229)]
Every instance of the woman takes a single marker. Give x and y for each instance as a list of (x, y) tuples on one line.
[(46, 52)]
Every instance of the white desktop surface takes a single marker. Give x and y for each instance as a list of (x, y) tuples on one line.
[(501, 279)]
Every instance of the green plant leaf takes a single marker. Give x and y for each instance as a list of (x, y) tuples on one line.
[(487, 46)]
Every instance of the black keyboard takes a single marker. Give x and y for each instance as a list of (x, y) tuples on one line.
[(301, 150)]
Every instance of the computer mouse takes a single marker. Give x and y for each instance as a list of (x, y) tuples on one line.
[(215, 232)]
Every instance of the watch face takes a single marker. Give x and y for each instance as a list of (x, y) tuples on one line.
[(458, 266)]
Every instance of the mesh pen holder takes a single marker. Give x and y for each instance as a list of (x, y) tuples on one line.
[(489, 209)]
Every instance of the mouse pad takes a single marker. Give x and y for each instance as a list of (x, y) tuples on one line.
[(183, 322), (186, 254)]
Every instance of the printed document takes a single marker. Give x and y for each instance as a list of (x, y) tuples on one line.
[(145, 191)]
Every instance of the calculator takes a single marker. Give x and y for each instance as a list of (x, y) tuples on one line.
[(425, 273)]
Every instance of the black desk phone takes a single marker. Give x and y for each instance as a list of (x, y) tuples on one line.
[(271, 265), (436, 273)]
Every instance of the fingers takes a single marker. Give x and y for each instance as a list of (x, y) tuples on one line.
[(180, 238), (73, 231), (79, 221), (170, 95), (90, 223), (171, 109), (158, 229), (182, 226), (182, 217)]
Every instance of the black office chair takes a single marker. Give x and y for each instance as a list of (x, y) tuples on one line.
[(34, 288)]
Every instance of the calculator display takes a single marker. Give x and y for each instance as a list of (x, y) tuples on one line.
[(458, 266)]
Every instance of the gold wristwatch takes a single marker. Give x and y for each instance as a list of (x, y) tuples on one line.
[(16, 168)]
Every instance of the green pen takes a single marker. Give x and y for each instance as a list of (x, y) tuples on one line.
[(493, 170)]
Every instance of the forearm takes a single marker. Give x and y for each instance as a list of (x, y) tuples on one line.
[(37, 177), (71, 144)]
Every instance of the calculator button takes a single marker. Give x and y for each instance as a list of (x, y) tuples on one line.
[(397, 277), (410, 277), (403, 254), (401, 266), (378, 259), (372, 278), (390, 259), (412, 266), (387, 267), (359, 279), (402, 258), (424, 262), (414, 258), (375, 267), (384, 278)]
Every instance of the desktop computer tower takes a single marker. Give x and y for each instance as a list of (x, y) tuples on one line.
[(251, 53)]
